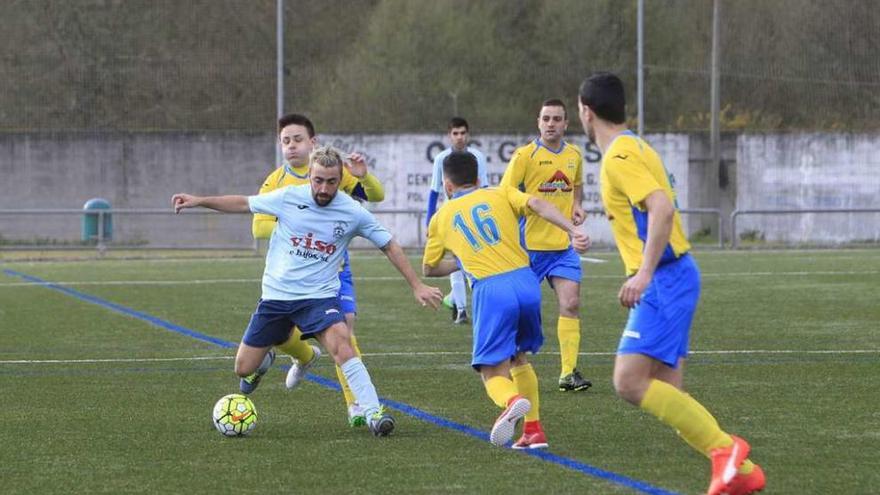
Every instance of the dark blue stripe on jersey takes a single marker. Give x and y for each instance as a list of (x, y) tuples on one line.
[(641, 219), (332, 384), (359, 192)]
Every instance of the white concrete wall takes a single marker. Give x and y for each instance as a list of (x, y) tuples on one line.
[(142, 170), (804, 171)]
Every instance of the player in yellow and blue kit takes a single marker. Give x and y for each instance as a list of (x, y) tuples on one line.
[(480, 227), (551, 169), (296, 135), (662, 288)]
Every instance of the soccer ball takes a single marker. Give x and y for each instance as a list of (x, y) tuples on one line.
[(234, 415)]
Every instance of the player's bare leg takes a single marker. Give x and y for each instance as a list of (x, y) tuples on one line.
[(251, 363)]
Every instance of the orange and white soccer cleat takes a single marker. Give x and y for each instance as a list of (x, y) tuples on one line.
[(747, 484), (725, 465), (533, 437), (505, 426)]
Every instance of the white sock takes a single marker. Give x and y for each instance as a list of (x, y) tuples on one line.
[(361, 386), (459, 289)]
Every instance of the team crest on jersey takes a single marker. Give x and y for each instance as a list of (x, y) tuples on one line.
[(558, 183), (339, 229), (571, 165)]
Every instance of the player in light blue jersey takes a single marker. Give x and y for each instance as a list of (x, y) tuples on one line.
[(458, 132), (301, 278)]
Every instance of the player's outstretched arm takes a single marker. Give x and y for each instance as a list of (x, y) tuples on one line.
[(442, 269), (426, 295), (579, 241), (226, 204)]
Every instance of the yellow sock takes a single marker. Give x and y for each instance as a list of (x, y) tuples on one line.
[(747, 465), (569, 333), (689, 418), (500, 390), (346, 391), (297, 348), (526, 382)]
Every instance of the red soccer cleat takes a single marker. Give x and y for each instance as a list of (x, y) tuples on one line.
[(746, 484), (505, 425), (533, 437), (725, 463)]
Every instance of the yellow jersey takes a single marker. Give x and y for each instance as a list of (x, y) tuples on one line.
[(369, 188), (632, 170), (551, 175), (481, 228)]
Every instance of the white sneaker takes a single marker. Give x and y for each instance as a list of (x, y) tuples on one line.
[(298, 371)]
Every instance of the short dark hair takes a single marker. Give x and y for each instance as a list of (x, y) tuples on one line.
[(297, 119), (603, 93), (460, 167), (458, 122), (554, 102)]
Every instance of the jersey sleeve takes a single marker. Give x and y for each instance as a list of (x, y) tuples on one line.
[(434, 249), (263, 225), (271, 203), (348, 182), (437, 174), (482, 169), (518, 200), (579, 169), (369, 188), (627, 172), (515, 172), (369, 228)]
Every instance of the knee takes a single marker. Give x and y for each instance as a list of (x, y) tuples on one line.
[(570, 306), (343, 351), (630, 388), (241, 368)]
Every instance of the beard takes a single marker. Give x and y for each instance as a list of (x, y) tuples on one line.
[(323, 199)]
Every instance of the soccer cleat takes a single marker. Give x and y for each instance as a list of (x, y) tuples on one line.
[(461, 317), (725, 464), (448, 302), (381, 423), (746, 484), (356, 416), (574, 382), (249, 383), (298, 371), (505, 426), (532, 438)]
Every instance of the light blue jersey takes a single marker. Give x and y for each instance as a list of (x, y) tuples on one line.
[(437, 174), (307, 246)]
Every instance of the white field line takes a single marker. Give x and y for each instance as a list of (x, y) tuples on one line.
[(586, 259), (390, 279), (430, 353)]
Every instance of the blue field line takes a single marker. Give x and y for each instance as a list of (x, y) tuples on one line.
[(122, 309), (333, 385)]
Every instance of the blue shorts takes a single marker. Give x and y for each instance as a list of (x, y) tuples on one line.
[(273, 321), (507, 317), (659, 326), (563, 264), (346, 289)]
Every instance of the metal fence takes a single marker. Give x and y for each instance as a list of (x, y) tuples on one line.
[(735, 238), (161, 229)]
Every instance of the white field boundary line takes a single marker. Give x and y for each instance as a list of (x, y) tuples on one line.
[(400, 279), (422, 354)]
